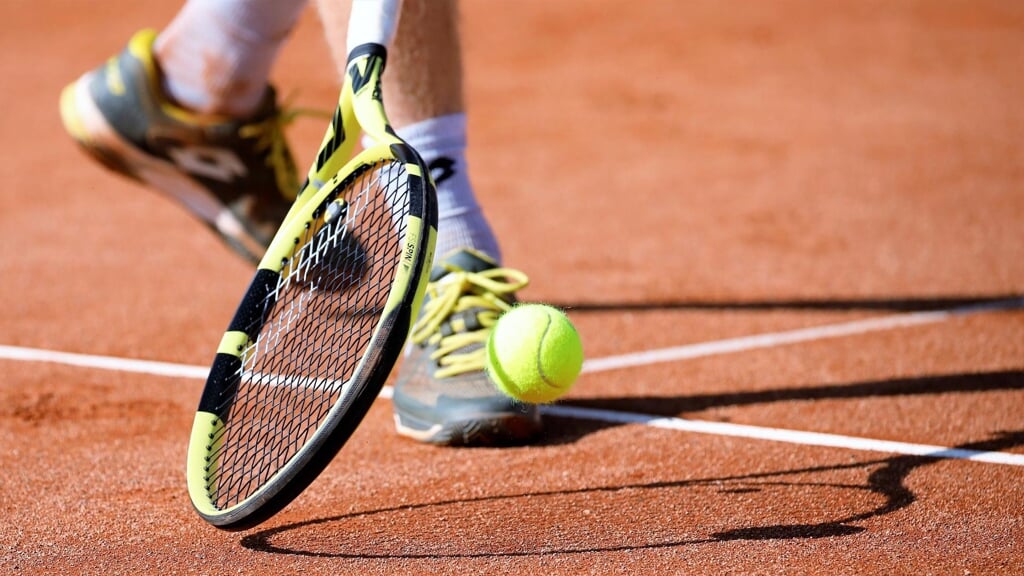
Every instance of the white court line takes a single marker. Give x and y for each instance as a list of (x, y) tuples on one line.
[(654, 356), (772, 340), (104, 362), (781, 435)]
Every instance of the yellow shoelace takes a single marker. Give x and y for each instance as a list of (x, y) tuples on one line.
[(270, 134), (460, 291)]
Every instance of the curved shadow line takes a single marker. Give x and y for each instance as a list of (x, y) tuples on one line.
[(260, 541), (888, 481)]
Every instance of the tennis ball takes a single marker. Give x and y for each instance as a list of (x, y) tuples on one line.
[(534, 353)]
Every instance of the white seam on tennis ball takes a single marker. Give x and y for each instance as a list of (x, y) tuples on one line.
[(540, 364)]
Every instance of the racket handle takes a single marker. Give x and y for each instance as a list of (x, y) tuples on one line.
[(373, 21)]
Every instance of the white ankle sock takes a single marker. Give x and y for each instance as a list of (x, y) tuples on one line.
[(441, 142), (216, 55)]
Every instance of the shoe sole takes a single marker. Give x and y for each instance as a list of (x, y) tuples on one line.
[(481, 430), (84, 122)]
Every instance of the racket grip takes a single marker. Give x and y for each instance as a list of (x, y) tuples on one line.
[(373, 21)]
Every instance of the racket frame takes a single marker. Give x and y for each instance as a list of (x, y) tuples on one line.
[(360, 107)]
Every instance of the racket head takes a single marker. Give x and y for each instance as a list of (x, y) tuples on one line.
[(315, 337)]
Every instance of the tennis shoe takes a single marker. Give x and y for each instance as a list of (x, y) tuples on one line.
[(443, 394), (236, 175)]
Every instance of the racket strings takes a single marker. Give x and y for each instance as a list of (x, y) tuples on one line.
[(318, 325)]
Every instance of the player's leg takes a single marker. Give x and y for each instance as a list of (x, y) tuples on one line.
[(442, 394), (189, 111), (216, 55), (423, 95)]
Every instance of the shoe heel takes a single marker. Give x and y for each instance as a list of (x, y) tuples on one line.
[(74, 125)]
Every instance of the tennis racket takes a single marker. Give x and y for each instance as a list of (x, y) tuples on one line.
[(322, 323)]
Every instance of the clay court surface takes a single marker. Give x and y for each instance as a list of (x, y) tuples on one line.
[(791, 234)]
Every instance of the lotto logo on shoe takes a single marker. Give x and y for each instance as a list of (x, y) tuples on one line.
[(214, 163)]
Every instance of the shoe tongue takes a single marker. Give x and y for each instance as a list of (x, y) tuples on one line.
[(466, 259)]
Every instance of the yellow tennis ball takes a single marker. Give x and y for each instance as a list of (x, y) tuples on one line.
[(534, 353)]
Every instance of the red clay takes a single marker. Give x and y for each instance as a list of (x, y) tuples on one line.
[(673, 173)]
